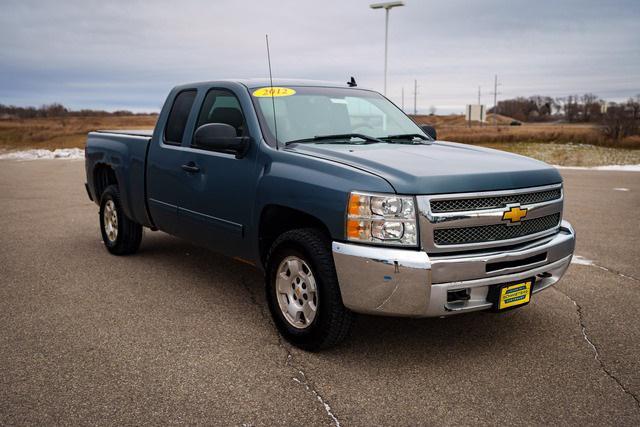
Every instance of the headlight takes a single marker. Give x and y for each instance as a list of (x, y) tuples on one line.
[(383, 219)]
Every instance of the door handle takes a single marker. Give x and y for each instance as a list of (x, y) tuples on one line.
[(191, 167)]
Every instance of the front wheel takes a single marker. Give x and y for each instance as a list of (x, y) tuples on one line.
[(303, 291), (121, 236)]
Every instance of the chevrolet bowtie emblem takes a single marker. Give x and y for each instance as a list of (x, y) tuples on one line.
[(514, 214)]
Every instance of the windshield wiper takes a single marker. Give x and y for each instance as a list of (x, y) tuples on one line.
[(411, 137), (341, 136)]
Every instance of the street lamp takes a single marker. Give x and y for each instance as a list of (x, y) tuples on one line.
[(386, 6)]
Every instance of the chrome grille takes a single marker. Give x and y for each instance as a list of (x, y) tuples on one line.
[(479, 203), (489, 233), (476, 220)]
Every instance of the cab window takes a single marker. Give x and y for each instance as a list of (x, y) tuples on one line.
[(222, 106)]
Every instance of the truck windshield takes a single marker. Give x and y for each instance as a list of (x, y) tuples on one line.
[(306, 113)]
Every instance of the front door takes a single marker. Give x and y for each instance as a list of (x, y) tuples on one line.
[(217, 199)]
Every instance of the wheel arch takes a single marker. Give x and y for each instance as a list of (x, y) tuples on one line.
[(103, 176), (278, 219)]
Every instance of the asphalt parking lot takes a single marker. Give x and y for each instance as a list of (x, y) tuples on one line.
[(177, 334)]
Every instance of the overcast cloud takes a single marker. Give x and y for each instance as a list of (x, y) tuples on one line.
[(128, 54)]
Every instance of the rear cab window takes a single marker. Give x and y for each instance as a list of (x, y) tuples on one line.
[(178, 117)]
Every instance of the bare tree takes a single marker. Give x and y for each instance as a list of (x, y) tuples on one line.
[(634, 106), (571, 108), (590, 107), (559, 104), (621, 120), (54, 110)]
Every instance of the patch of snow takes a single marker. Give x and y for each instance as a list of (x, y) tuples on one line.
[(580, 260), (58, 153), (621, 189), (619, 168)]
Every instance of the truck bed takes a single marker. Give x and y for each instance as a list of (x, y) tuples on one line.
[(125, 153), (130, 132)]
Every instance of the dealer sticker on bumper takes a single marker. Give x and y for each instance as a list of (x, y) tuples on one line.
[(513, 295)]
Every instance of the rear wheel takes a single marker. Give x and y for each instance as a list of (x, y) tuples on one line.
[(303, 292), (121, 236)]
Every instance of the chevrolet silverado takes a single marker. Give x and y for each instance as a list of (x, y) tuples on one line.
[(345, 203)]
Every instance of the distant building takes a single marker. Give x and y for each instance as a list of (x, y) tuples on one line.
[(476, 113)]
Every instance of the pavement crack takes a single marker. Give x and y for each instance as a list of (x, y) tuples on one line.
[(596, 352), (299, 376), (302, 380)]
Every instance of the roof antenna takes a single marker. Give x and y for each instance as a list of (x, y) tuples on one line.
[(273, 101), (352, 82)]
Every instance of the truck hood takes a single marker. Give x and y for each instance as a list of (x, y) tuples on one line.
[(438, 168)]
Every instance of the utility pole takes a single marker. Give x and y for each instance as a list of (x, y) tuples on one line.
[(495, 101), (415, 97), (480, 106)]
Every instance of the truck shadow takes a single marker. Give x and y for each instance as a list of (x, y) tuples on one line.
[(385, 337)]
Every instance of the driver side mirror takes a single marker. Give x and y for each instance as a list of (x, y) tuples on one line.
[(429, 130), (221, 137)]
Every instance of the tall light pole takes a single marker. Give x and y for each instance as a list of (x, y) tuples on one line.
[(415, 97), (386, 6)]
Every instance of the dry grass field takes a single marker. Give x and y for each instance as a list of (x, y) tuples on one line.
[(570, 154), (455, 128), (564, 144), (560, 144), (68, 132)]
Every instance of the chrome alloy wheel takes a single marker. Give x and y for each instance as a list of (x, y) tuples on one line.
[(110, 219), (296, 292)]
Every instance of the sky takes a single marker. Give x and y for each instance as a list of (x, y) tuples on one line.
[(128, 54)]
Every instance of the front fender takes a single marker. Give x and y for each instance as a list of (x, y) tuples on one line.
[(314, 186)]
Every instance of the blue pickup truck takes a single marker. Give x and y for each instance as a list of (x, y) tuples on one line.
[(341, 199)]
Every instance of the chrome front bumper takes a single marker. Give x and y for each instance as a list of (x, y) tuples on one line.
[(401, 282)]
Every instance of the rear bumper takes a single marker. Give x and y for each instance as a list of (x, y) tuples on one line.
[(400, 282)]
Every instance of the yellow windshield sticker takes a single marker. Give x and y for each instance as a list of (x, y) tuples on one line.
[(273, 91)]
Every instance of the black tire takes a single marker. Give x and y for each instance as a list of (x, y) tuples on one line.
[(129, 233), (333, 321)]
